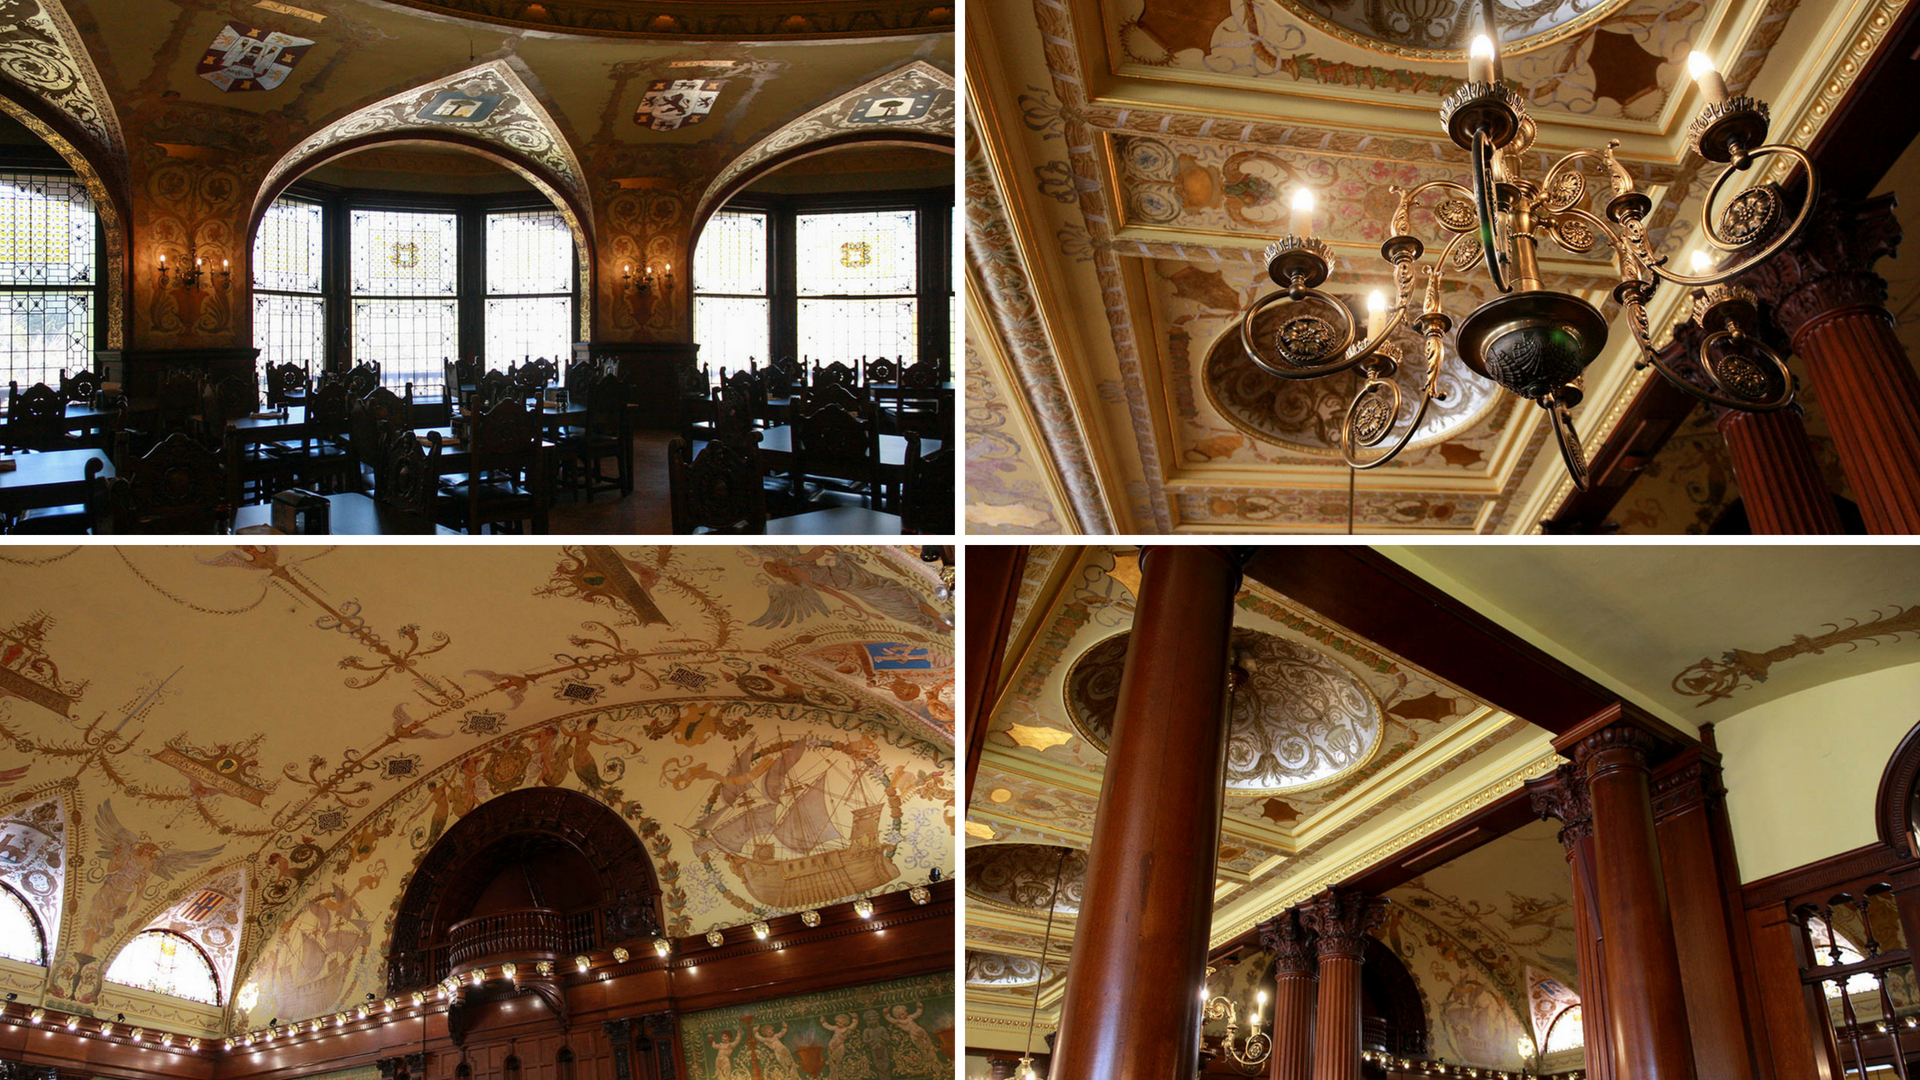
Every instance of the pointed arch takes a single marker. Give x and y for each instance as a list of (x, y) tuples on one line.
[(49, 85), (486, 110), (190, 914), (833, 124)]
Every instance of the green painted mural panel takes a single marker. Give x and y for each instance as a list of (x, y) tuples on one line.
[(901, 1030)]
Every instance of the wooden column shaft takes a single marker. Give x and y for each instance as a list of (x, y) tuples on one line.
[(1562, 797), (1294, 992), (993, 586), (1780, 480), (1341, 919), (1872, 400), (1647, 1007), (1130, 1010)]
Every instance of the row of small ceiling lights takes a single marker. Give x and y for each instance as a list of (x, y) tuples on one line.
[(662, 947), (1441, 1068)]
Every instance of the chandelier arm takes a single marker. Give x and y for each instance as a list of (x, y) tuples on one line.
[(1447, 255), (1334, 367), (1571, 159), (1570, 449), (1614, 239), (1637, 318), (1428, 394), (1780, 241), (1402, 220), (1484, 206)]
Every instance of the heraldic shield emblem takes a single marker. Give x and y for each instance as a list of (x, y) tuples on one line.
[(249, 58), (674, 103)]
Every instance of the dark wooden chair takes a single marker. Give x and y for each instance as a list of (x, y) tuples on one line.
[(579, 376), (79, 389), (407, 479), (839, 448), (790, 376), (490, 389), (606, 434), (722, 490), (36, 420), (223, 399), (921, 401), (821, 395), (508, 482), (369, 419), (533, 377), (287, 384), (881, 371), (834, 374), (695, 397), (179, 486), (364, 379), (926, 493), (177, 406)]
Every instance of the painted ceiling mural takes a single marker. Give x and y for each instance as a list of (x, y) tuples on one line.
[(1134, 155), (1334, 738), (214, 99), (720, 699)]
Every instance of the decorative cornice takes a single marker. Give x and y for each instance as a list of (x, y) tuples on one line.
[(1341, 918), (1688, 785), (734, 21)]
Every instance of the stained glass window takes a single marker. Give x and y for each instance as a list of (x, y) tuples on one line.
[(48, 276), (289, 310), (20, 937), (529, 307), (1566, 1032), (166, 963), (404, 277), (731, 312), (858, 281)]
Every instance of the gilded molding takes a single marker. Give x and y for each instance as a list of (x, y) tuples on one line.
[(736, 21)]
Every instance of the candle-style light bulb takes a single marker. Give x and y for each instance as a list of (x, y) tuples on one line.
[(1702, 262), (163, 260), (1301, 223), (1480, 59), (1712, 86), (1376, 308)]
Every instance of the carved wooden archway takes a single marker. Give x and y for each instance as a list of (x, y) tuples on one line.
[(1391, 997), (501, 833), (1893, 810)]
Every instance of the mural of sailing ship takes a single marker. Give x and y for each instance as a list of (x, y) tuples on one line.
[(776, 823)]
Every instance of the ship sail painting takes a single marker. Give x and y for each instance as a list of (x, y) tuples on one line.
[(776, 822)]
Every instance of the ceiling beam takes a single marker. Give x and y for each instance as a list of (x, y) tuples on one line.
[(1369, 594)]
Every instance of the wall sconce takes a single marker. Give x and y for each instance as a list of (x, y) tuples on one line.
[(193, 1044), (661, 947), (167, 1039), (919, 894), (810, 918), (644, 284), (863, 907), (761, 930), (620, 955), (136, 1034), (479, 976), (226, 1044), (194, 276), (543, 969), (581, 963), (511, 971), (106, 1030), (73, 1023), (716, 939), (37, 1015)]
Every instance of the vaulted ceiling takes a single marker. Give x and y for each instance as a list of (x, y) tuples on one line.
[(1128, 161), (302, 723)]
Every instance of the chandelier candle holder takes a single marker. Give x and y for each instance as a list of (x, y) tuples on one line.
[(1258, 1045), (192, 278), (1530, 339)]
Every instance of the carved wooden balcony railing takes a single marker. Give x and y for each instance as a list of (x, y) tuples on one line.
[(530, 933)]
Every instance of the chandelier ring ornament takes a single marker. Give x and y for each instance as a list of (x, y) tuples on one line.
[(1719, 239), (1483, 192), (1290, 370), (1570, 449)]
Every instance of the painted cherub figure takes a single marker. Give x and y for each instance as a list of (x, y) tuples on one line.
[(923, 1056), (723, 1045), (784, 1066), (841, 1065)]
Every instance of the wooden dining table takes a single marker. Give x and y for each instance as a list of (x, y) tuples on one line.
[(836, 521), (49, 478), (349, 514)]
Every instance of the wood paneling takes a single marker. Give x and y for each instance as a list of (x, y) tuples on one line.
[(993, 584)]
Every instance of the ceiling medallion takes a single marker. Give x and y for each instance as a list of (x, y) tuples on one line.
[(1438, 29), (1298, 719), (1530, 339)]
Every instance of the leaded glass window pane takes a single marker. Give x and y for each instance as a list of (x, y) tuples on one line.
[(857, 254), (732, 256), (404, 253), (20, 937), (412, 339), (528, 251), (290, 329), (286, 250), (46, 230), (845, 330), (44, 331), (166, 964), (733, 331), (529, 327)]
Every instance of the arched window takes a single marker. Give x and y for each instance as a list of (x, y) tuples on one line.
[(1566, 1032), (166, 963), (732, 280), (20, 936), (289, 280), (1823, 941), (49, 275)]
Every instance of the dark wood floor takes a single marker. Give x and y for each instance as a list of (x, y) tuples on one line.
[(646, 511)]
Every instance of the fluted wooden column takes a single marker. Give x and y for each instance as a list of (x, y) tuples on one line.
[(1341, 919), (1646, 1005), (1827, 298), (1294, 989), (1563, 797), (1700, 876), (1140, 951), (1780, 481)]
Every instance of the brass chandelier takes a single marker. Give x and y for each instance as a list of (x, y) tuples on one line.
[(1530, 339)]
